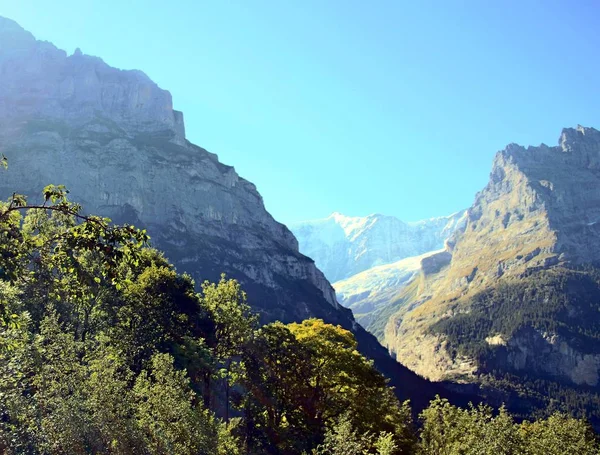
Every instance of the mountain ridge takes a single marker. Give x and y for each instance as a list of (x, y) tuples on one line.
[(79, 104), (343, 246)]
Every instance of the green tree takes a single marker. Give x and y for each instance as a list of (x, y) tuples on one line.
[(111, 401), (158, 309), (386, 445), (165, 411), (17, 407), (64, 422), (279, 414), (234, 325), (302, 378), (343, 381), (42, 253), (94, 308), (343, 439), (449, 430), (559, 434)]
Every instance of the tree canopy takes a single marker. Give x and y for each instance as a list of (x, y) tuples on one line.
[(106, 349)]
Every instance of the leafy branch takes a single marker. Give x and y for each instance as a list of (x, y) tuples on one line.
[(114, 244)]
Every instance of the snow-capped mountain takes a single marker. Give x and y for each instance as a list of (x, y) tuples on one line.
[(343, 246)]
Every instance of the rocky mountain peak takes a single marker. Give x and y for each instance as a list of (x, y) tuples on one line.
[(41, 81), (582, 141), (576, 146), (540, 210), (544, 199)]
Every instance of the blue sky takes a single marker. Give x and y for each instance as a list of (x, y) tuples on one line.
[(359, 107)]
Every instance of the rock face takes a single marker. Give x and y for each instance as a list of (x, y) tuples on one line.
[(541, 207), (548, 353), (113, 138), (539, 212), (343, 246)]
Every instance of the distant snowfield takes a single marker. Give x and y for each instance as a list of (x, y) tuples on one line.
[(343, 246)]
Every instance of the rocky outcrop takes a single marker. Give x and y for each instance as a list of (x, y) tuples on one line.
[(544, 352), (343, 246), (434, 262)]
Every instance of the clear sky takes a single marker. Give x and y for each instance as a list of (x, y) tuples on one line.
[(359, 107)]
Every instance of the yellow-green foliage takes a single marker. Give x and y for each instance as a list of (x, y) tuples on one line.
[(448, 430)]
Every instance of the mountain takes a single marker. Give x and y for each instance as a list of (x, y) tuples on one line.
[(516, 304), (343, 246), (113, 138), (371, 259)]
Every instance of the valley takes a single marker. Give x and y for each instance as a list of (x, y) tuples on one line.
[(150, 303)]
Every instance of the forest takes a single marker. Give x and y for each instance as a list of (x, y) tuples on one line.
[(562, 301), (106, 349)]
